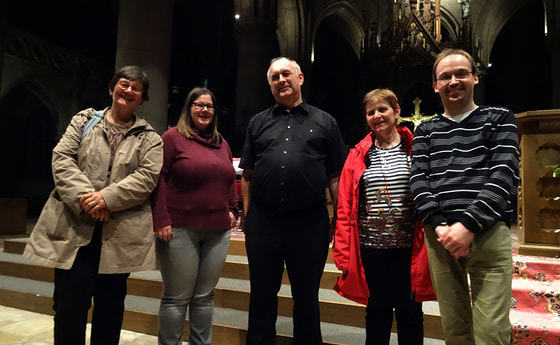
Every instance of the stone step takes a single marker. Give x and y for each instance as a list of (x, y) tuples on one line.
[(141, 315), (236, 247), (149, 284), (135, 320), (232, 294), (236, 266)]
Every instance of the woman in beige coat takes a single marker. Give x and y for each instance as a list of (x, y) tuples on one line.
[(96, 226)]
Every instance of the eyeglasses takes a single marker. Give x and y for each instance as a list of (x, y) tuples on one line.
[(125, 85), (459, 75), (200, 106)]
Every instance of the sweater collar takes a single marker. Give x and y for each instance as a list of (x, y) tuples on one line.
[(205, 141)]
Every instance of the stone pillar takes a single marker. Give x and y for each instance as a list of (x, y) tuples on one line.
[(144, 39), (257, 45)]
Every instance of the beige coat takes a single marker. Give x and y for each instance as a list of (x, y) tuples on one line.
[(80, 166)]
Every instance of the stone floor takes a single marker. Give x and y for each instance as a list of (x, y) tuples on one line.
[(20, 327)]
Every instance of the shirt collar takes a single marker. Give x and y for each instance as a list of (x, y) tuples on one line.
[(302, 108)]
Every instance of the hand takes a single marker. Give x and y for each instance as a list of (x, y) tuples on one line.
[(164, 233), (92, 202), (457, 240), (232, 220), (101, 215), (440, 230)]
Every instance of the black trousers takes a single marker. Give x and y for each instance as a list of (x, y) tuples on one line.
[(388, 278), (300, 241), (73, 291)]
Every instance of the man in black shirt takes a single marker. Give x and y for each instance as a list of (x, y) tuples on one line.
[(292, 152)]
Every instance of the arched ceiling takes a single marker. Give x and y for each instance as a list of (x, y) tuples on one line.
[(345, 19), (488, 19), (453, 9), (451, 18)]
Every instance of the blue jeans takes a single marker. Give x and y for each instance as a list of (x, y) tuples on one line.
[(191, 263)]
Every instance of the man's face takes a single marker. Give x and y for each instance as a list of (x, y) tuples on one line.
[(455, 80), (285, 82)]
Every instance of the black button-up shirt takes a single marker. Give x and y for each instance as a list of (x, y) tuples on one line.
[(292, 153)]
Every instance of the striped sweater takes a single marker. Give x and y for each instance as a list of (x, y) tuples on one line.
[(466, 172)]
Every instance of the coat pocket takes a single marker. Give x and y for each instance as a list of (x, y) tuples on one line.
[(55, 220), (58, 223)]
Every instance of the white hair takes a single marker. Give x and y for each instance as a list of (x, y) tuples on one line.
[(282, 58)]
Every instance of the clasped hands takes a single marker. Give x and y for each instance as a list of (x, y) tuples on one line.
[(455, 238), (94, 204)]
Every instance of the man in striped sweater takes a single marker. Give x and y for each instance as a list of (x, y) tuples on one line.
[(465, 172)]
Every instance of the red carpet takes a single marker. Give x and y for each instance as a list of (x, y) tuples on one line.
[(235, 233), (535, 304)]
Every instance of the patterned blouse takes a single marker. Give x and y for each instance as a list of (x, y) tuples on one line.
[(386, 212)]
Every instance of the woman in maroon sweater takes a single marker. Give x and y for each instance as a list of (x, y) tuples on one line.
[(194, 206)]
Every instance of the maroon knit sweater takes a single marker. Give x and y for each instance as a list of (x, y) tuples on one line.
[(196, 187)]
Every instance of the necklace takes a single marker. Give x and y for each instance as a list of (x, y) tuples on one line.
[(389, 144), (384, 193)]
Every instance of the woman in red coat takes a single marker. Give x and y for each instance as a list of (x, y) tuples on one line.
[(379, 246)]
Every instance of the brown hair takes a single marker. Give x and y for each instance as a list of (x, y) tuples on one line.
[(184, 125), (381, 94), (451, 51), (132, 73)]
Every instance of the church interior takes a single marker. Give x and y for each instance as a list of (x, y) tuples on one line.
[(50, 69), (56, 58)]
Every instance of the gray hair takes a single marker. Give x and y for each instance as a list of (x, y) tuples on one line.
[(290, 61)]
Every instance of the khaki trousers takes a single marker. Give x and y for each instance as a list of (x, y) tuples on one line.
[(480, 317)]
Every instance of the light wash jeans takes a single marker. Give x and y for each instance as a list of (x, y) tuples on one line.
[(191, 263)]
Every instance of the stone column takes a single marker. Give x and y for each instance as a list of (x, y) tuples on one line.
[(144, 39), (257, 45)]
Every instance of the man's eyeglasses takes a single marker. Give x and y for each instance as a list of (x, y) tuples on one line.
[(200, 106), (124, 85), (459, 75)]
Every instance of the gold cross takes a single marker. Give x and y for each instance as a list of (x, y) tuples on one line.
[(418, 117)]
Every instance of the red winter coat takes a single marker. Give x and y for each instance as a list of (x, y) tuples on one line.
[(346, 253)]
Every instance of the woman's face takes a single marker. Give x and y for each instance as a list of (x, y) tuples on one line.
[(381, 117), (127, 95), (202, 112)]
